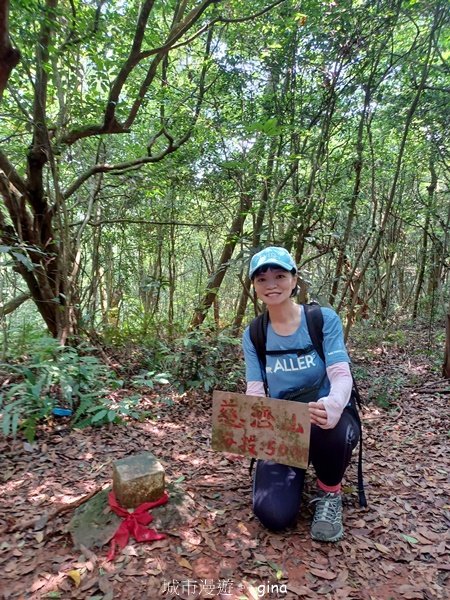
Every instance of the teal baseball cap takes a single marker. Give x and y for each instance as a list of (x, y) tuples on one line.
[(274, 256)]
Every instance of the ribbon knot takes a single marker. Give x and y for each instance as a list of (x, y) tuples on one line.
[(134, 523)]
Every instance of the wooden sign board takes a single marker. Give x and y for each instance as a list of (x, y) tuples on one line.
[(261, 427)]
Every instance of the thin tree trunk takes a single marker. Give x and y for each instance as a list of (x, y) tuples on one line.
[(9, 56), (13, 304), (257, 232), (358, 166), (423, 254), (172, 278), (215, 280)]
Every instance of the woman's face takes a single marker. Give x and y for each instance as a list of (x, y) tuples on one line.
[(274, 286)]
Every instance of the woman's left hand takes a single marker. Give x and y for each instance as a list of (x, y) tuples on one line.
[(318, 414)]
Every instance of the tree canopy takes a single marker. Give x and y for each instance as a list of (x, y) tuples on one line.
[(148, 148)]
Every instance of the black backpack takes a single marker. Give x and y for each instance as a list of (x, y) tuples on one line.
[(314, 322)]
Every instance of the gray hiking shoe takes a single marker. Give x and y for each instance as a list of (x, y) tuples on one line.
[(327, 521)]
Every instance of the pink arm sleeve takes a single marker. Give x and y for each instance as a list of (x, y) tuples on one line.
[(255, 388), (341, 388)]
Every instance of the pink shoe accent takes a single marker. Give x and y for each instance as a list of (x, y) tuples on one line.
[(329, 488)]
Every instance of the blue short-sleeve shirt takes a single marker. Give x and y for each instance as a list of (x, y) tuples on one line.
[(288, 372)]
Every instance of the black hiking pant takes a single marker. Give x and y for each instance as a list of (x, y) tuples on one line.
[(277, 488)]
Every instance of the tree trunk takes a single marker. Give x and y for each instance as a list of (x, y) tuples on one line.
[(13, 304), (358, 165), (446, 365), (423, 254), (9, 56), (257, 232), (216, 278), (172, 278), (38, 231)]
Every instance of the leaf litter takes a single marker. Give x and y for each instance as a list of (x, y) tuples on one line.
[(396, 548)]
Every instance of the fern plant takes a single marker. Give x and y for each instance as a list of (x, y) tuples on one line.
[(55, 376)]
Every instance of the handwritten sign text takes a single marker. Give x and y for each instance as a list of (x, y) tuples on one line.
[(259, 427)]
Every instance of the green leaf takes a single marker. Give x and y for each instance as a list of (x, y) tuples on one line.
[(277, 569), (99, 416), (24, 259), (6, 422), (269, 127), (15, 422), (232, 164), (409, 538)]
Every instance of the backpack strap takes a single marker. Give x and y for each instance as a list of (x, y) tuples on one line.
[(258, 337), (355, 403), (314, 323)]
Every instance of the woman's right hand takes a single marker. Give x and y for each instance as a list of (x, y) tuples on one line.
[(318, 414)]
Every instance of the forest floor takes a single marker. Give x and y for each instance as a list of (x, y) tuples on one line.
[(396, 548)]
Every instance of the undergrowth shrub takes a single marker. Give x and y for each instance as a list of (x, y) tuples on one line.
[(205, 360), (385, 392), (57, 376)]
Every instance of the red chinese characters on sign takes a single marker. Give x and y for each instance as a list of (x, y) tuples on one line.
[(292, 425), (259, 427), (229, 415), (229, 441), (248, 445), (262, 417), (269, 447)]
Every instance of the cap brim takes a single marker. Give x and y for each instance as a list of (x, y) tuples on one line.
[(272, 262)]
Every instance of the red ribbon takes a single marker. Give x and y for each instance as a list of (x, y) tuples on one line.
[(134, 524)]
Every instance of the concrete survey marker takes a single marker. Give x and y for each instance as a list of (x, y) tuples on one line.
[(94, 523), (137, 479)]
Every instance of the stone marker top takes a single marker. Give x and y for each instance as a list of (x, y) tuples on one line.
[(137, 479), (138, 465)]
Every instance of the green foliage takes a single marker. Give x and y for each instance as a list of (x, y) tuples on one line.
[(56, 376), (382, 390), (361, 374), (385, 391), (287, 88), (23, 335), (205, 360), (108, 409), (395, 338), (368, 338), (149, 378)]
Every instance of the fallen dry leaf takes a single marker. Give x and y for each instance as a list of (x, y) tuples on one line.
[(184, 563), (323, 574), (75, 575)]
